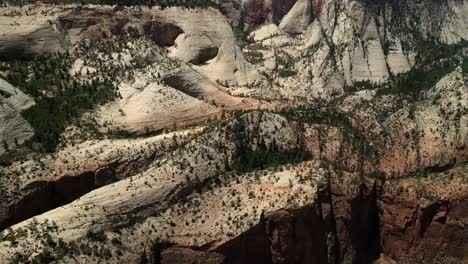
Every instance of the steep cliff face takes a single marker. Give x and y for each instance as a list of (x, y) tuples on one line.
[(407, 221), (351, 149), (283, 236), (354, 224), (297, 237), (429, 234), (349, 220), (322, 47), (423, 217), (42, 196)]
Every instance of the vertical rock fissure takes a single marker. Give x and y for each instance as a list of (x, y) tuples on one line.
[(365, 225)]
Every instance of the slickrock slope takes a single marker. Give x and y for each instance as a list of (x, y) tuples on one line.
[(165, 94), (201, 37), (43, 183), (14, 96), (207, 42), (188, 169), (159, 51), (20, 24), (14, 130), (308, 131)]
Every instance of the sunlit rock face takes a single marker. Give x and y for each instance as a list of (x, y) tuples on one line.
[(14, 130), (304, 131), (201, 37), (333, 44)]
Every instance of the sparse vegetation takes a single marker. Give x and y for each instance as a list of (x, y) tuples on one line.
[(162, 3), (241, 35), (225, 179), (284, 65), (260, 159), (60, 98)]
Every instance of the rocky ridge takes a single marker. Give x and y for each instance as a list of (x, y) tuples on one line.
[(360, 157), (321, 47)]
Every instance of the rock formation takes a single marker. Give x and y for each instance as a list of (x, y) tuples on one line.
[(14, 130), (308, 131)]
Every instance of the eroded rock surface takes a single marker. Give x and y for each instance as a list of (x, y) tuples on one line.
[(351, 147), (14, 130)]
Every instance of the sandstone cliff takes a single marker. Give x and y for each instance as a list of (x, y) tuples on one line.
[(309, 131)]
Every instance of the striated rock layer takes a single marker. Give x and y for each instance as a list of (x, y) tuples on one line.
[(14, 130), (320, 48), (201, 37), (374, 172)]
